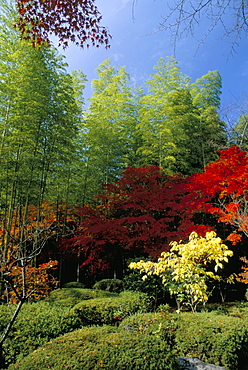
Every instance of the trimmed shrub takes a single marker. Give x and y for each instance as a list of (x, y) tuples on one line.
[(213, 338), (71, 296), (101, 347), (161, 324), (74, 284), (36, 324), (45, 320), (101, 311), (111, 285)]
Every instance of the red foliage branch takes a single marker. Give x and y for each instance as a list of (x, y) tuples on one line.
[(138, 212), (77, 21), (221, 190)]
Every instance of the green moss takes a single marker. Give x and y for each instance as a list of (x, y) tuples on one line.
[(101, 347)]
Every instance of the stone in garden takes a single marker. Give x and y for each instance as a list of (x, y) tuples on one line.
[(188, 363)]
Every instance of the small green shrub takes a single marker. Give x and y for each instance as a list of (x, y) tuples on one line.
[(71, 296), (107, 310), (101, 347), (152, 285), (111, 285), (163, 308), (74, 284), (160, 324), (36, 324)]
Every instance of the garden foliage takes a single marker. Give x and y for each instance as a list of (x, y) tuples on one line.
[(101, 347), (64, 311), (217, 338), (185, 269)]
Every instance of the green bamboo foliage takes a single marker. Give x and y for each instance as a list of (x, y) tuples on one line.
[(40, 122), (159, 135), (109, 127), (179, 122)]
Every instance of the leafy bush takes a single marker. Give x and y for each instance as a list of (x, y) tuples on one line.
[(71, 296), (213, 338), (101, 347), (160, 324), (74, 284), (152, 285), (111, 285), (107, 310), (36, 324)]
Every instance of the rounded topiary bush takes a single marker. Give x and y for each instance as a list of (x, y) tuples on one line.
[(160, 324), (111, 285), (36, 324), (109, 310), (101, 347), (73, 284), (71, 296), (214, 338)]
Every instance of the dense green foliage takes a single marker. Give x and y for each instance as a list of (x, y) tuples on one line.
[(64, 311), (37, 323), (104, 347), (110, 285), (215, 337), (132, 126), (219, 336), (72, 296), (110, 310)]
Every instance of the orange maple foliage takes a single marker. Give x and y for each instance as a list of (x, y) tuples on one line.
[(39, 282), (22, 239), (243, 276)]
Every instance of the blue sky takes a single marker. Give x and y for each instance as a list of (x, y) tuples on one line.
[(137, 45)]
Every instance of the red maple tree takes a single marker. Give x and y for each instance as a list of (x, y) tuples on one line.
[(135, 214), (221, 190), (77, 21)]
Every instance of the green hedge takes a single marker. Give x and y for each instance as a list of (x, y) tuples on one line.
[(101, 347), (71, 296), (73, 284), (162, 325), (36, 324), (111, 285), (213, 338), (45, 320), (108, 310)]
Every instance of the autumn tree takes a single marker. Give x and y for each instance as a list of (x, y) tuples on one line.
[(75, 21), (134, 216), (221, 190), (185, 269)]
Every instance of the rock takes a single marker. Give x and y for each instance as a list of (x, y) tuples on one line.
[(189, 363)]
